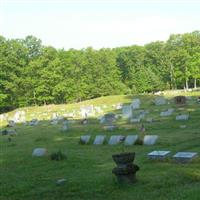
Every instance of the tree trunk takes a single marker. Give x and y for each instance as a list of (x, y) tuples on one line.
[(186, 84), (195, 83)]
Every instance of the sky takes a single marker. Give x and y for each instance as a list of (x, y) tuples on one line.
[(98, 23)]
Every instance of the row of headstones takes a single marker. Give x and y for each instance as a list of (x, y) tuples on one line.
[(180, 156), (117, 139)]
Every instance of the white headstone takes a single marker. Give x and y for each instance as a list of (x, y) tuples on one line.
[(135, 104), (127, 111), (160, 101), (130, 139), (184, 156), (99, 139), (115, 139), (182, 117), (39, 152), (158, 154), (150, 139)]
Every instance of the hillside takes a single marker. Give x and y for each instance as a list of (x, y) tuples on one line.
[(88, 168)]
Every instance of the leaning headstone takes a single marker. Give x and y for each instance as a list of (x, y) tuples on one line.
[(99, 139), (182, 117), (150, 139), (84, 139), (39, 152), (160, 101), (160, 155), (115, 139), (184, 156), (130, 139)]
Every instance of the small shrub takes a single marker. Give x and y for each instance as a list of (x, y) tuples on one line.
[(57, 156)]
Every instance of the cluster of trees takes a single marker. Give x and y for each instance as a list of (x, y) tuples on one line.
[(31, 73)]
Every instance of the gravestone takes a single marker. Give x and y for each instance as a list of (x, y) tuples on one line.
[(33, 122), (39, 152), (184, 156), (150, 139), (167, 113), (160, 155), (160, 101), (84, 139), (115, 139), (11, 123), (130, 139), (182, 117), (109, 127), (127, 112), (99, 139), (149, 120), (135, 104), (183, 126)]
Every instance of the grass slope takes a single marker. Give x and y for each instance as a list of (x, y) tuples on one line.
[(88, 168)]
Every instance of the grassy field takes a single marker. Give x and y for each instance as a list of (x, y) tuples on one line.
[(88, 168)]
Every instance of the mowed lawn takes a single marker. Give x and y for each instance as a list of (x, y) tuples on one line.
[(88, 168)]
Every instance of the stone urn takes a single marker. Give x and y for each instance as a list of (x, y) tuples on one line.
[(125, 170)]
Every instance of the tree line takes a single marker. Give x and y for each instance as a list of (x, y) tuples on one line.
[(33, 74)]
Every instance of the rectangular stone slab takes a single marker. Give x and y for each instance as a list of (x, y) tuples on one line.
[(158, 154), (85, 139), (184, 156), (99, 139), (150, 139), (130, 139), (115, 139)]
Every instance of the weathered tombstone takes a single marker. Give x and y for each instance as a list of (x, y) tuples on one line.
[(150, 139), (184, 156), (84, 139), (115, 139), (11, 123), (39, 152), (135, 104), (182, 117), (183, 126), (167, 113), (149, 120), (99, 139), (130, 139), (160, 155), (109, 127), (160, 101), (180, 100), (127, 111)]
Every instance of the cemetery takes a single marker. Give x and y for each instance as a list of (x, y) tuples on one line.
[(113, 147)]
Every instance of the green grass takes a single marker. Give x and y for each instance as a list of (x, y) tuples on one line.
[(88, 168)]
